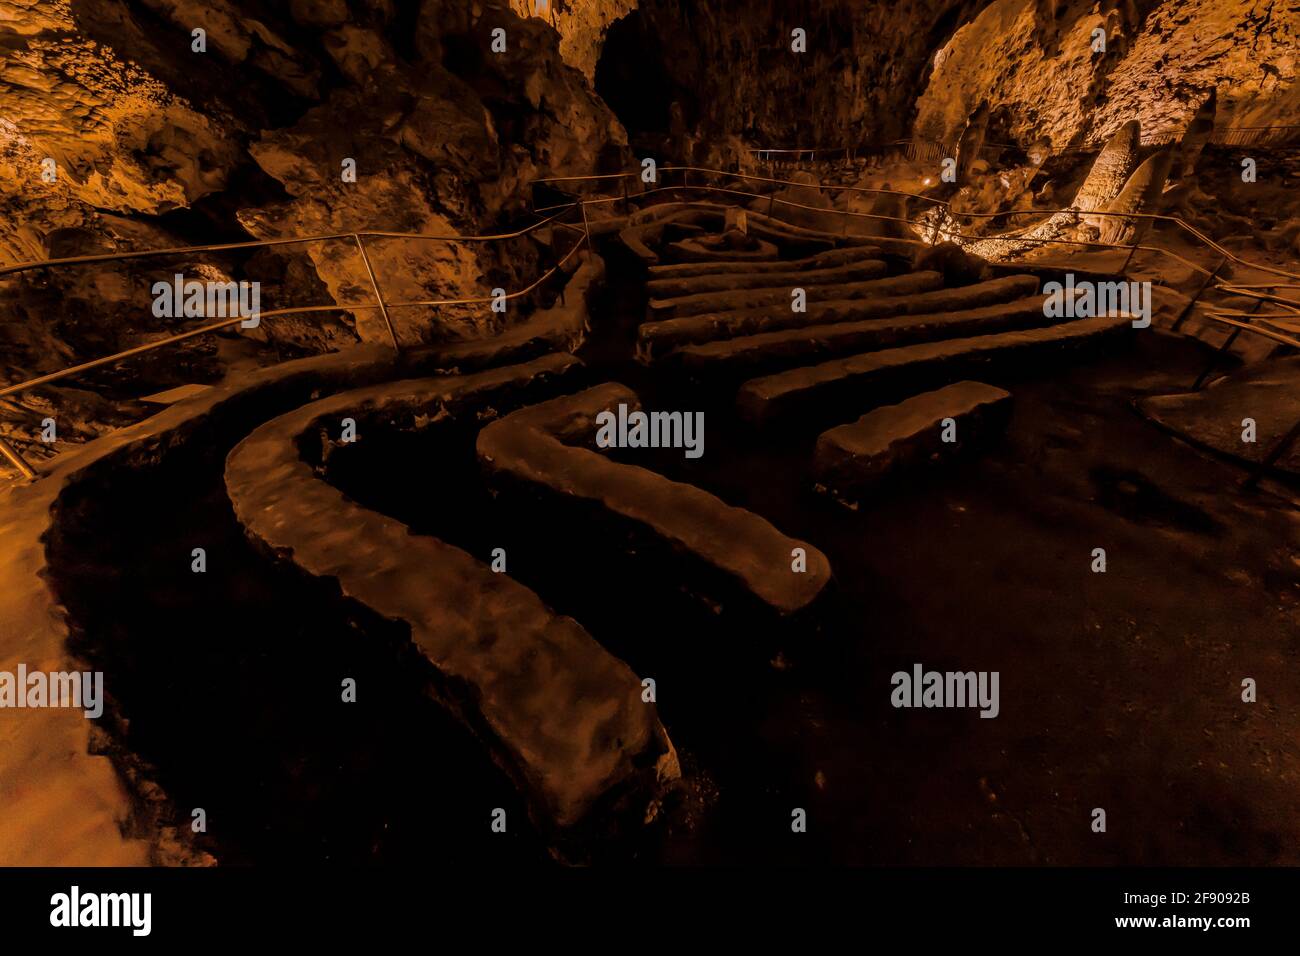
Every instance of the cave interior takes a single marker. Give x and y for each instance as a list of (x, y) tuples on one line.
[(656, 431)]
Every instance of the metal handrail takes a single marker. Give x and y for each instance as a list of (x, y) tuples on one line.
[(1249, 292), (1222, 135), (918, 242), (1152, 217), (1288, 440), (11, 454), (261, 243), (358, 237)]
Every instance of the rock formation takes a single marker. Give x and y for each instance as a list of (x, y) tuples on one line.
[(972, 140), (1194, 138), (445, 136), (1111, 169), (1110, 177), (1141, 194), (1161, 60)]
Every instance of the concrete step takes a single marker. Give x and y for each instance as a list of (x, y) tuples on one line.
[(915, 293), (774, 292), (677, 287), (861, 380), (537, 447), (835, 257), (815, 343), (851, 460)]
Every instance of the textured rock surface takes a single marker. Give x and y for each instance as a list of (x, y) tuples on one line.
[(439, 150), (1114, 183), (1141, 194), (731, 68), (445, 136), (1162, 59), (121, 138), (582, 25), (1111, 169)]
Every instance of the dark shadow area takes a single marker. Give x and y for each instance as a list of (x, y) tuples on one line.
[(983, 566), (230, 684), (632, 79)]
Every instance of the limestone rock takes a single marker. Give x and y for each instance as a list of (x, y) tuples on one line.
[(1111, 169), (1158, 66), (120, 138), (1194, 139), (1141, 194)]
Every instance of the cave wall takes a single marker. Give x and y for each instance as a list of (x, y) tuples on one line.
[(1033, 60), (157, 144), (732, 69), (582, 25)]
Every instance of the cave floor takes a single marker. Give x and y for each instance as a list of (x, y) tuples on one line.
[(1119, 690)]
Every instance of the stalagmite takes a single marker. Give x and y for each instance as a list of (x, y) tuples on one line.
[(1194, 138), (1140, 195), (972, 138), (1111, 169)]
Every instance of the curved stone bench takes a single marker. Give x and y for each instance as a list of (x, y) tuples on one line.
[(559, 328), (535, 446), (852, 459), (674, 287), (816, 343), (697, 249), (889, 296), (645, 228), (562, 716), (835, 257), (912, 293), (824, 386), (817, 290), (61, 805)]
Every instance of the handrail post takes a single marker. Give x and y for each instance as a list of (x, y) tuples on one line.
[(1187, 309), (1222, 350), (17, 460), (379, 297), (1132, 249)]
